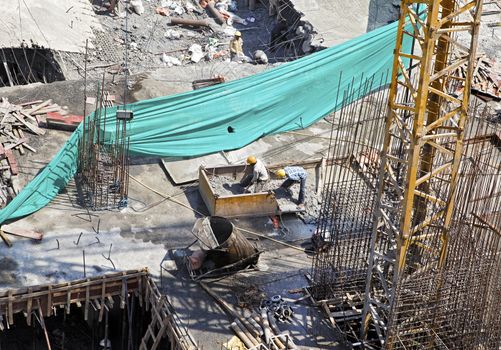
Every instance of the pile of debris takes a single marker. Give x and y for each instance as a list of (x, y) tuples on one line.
[(258, 329), (486, 82), (15, 120)]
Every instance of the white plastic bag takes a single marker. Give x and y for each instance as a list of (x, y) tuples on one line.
[(170, 61), (196, 53), (137, 6)]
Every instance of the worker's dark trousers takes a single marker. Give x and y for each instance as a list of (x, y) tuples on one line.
[(302, 184)]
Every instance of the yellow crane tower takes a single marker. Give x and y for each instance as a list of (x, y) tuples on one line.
[(419, 168)]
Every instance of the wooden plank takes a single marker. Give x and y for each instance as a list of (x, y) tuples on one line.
[(16, 231), (68, 299), (24, 104), (321, 175), (40, 106), (103, 294), (224, 305), (29, 307), (30, 117), (87, 301), (47, 110), (10, 309), (160, 334), (42, 323), (5, 239), (49, 301), (33, 128), (19, 147), (15, 144), (140, 288)]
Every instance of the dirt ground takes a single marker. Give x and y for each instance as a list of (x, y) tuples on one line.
[(154, 43)]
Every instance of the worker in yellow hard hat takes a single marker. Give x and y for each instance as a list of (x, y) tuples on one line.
[(237, 48), (256, 174), (294, 174)]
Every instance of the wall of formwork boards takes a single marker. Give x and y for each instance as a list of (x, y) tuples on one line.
[(97, 293)]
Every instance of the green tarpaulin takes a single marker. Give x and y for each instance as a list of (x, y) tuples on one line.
[(292, 96)]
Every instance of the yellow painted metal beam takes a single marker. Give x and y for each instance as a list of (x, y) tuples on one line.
[(422, 150)]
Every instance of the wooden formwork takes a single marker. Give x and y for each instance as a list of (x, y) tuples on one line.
[(98, 292)]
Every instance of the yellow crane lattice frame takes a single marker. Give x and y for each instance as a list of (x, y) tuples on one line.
[(422, 150)]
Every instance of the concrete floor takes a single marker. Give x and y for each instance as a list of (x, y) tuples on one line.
[(142, 234), (346, 19)]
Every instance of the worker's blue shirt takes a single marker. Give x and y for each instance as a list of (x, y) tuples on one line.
[(295, 173)]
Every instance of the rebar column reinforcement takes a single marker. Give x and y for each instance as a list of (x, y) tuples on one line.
[(103, 157), (433, 258)]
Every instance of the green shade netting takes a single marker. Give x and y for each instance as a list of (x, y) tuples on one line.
[(291, 96)]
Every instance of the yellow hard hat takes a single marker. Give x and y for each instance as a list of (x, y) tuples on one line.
[(280, 173), (237, 33), (251, 160)]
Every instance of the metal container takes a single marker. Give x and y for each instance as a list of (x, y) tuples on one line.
[(223, 243)]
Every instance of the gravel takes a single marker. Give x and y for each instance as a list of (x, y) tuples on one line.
[(227, 186)]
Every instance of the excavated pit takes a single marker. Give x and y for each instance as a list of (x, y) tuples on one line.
[(22, 66)]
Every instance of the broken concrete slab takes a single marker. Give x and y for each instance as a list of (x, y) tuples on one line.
[(41, 22), (345, 20), (186, 170)]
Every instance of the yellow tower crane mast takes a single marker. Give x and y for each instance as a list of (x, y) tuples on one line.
[(420, 160)]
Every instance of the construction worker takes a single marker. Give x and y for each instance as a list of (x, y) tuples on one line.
[(257, 174), (236, 48), (294, 174)]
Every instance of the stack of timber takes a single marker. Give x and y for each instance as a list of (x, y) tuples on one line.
[(17, 122), (257, 331), (486, 82)]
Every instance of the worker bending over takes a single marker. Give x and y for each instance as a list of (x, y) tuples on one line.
[(257, 175), (294, 174)]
